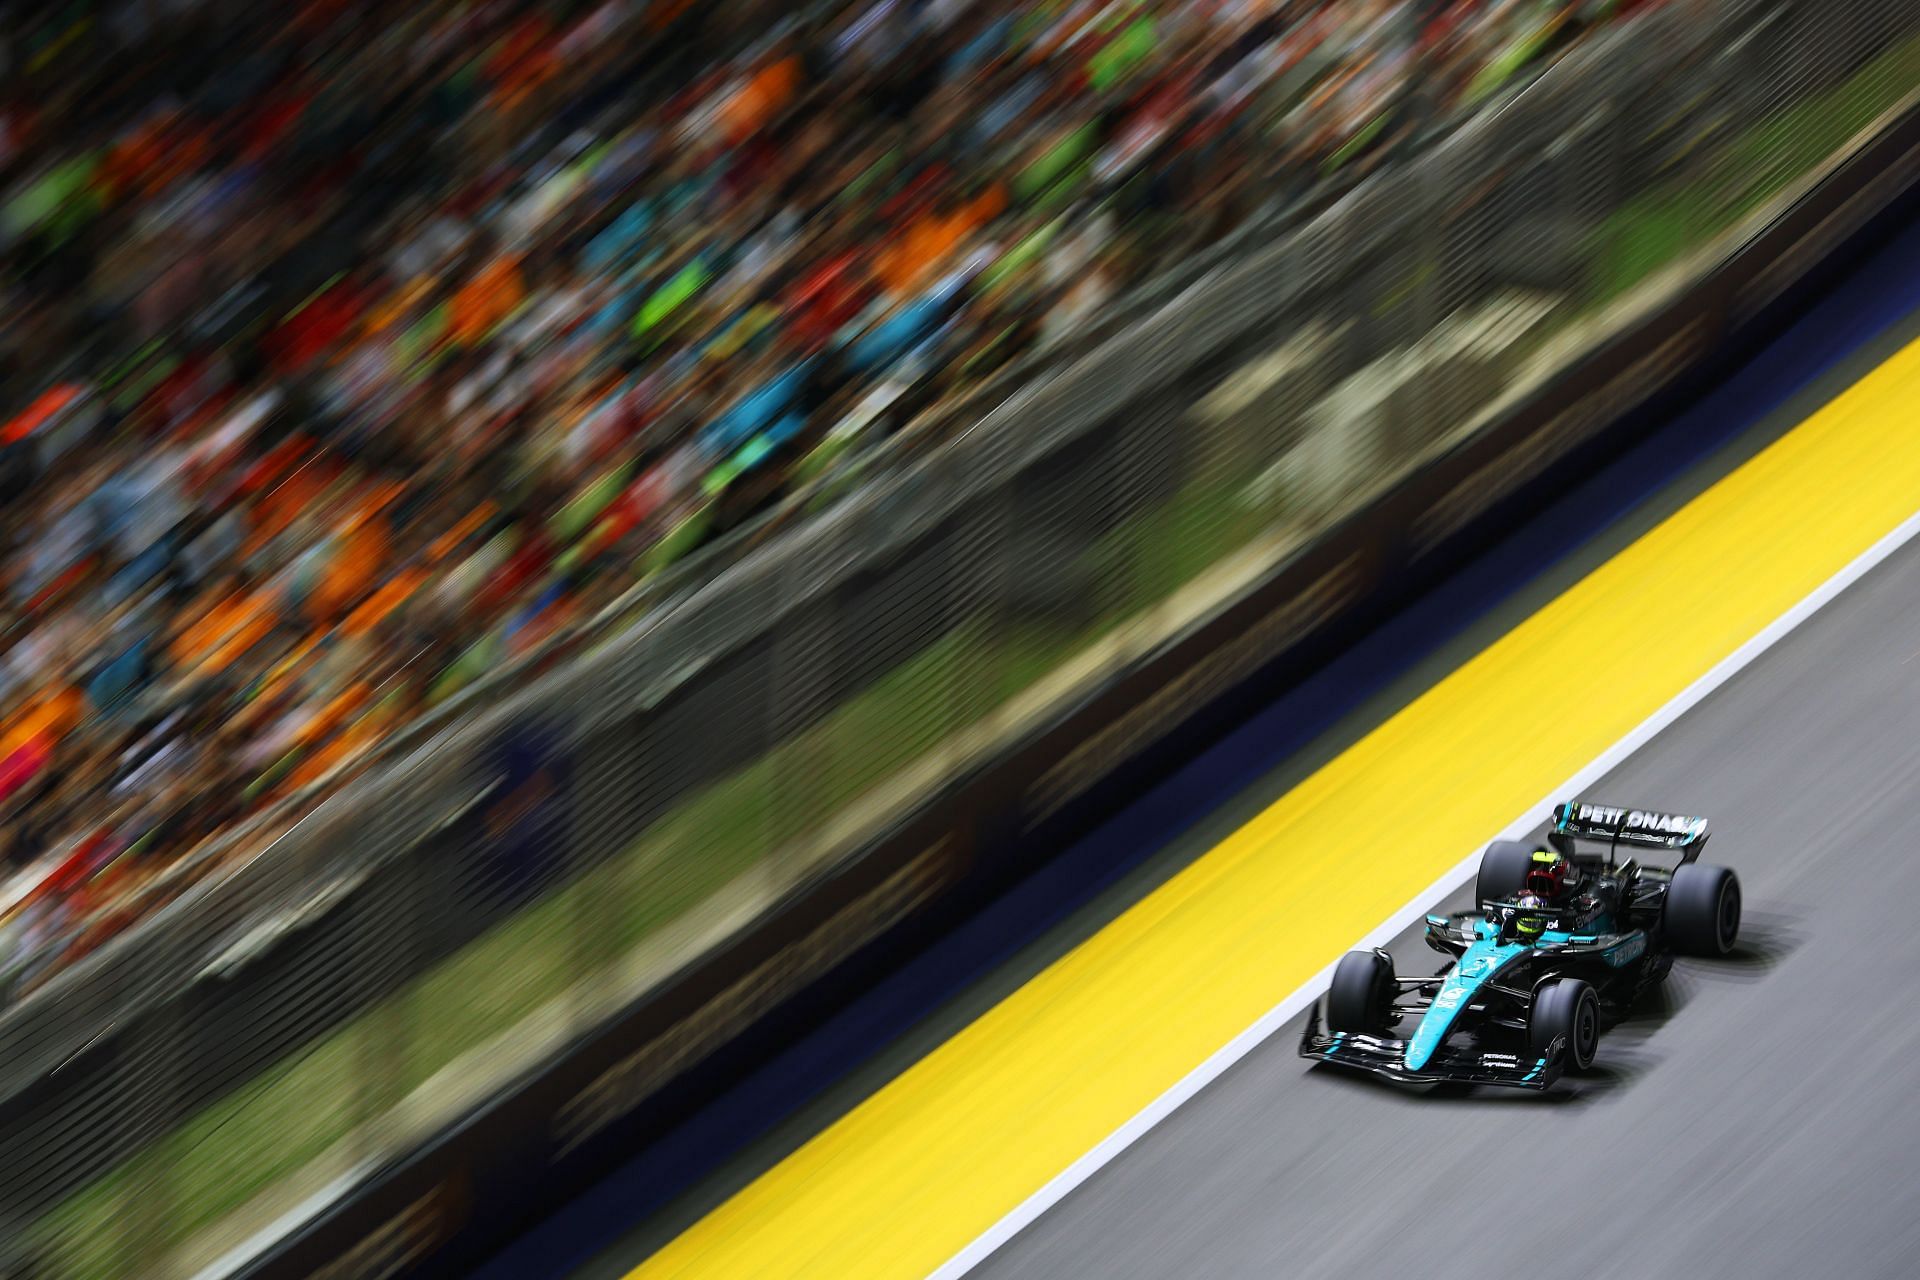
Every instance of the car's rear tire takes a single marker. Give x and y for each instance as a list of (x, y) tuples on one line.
[(1503, 871), (1565, 1007), (1362, 995), (1702, 910)]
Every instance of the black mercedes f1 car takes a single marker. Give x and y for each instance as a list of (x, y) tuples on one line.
[(1565, 937)]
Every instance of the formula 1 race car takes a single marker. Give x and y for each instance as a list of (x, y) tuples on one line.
[(1566, 936)]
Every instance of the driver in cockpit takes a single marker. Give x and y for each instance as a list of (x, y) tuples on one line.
[(1557, 883)]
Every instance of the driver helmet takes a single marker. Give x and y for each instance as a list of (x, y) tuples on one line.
[(1549, 875), (1531, 918)]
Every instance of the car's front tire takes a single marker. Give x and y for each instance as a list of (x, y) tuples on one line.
[(1566, 1007), (1362, 995), (1702, 910)]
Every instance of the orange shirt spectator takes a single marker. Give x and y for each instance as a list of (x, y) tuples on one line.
[(356, 565), (764, 96), (494, 293), (26, 745), (47, 719), (229, 629), (392, 593), (286, 500), (932, 238)]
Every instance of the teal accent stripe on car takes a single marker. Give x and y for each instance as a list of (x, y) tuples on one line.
[(1480, 961), (1627, 950)]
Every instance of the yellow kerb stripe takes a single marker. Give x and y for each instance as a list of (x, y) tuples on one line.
[(934, 1159)]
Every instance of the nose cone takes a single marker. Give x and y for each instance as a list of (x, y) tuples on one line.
[(1481, 961)]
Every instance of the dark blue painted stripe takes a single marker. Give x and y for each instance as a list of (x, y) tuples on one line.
[(1882, 289)]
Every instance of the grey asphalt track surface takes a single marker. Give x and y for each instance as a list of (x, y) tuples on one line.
[(1761, 1118)]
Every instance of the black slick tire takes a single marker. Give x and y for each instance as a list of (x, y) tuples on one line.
[(1702, 910), (1361, 995), (1565, 1007)]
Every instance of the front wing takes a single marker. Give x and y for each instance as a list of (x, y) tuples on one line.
[(1384, 1056)]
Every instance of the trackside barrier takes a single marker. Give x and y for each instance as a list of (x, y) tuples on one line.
[(464, 987)]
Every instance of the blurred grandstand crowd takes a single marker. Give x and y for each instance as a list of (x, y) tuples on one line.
[(351, 348)]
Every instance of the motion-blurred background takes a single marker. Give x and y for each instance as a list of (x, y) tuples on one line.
[(358, 351), (494, 496)]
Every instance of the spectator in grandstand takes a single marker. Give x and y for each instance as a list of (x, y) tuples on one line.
[(355, 349)]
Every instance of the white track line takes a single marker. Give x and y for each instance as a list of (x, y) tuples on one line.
[(1244, 1043)]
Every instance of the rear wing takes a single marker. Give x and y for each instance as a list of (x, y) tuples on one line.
[(1645, 828)]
